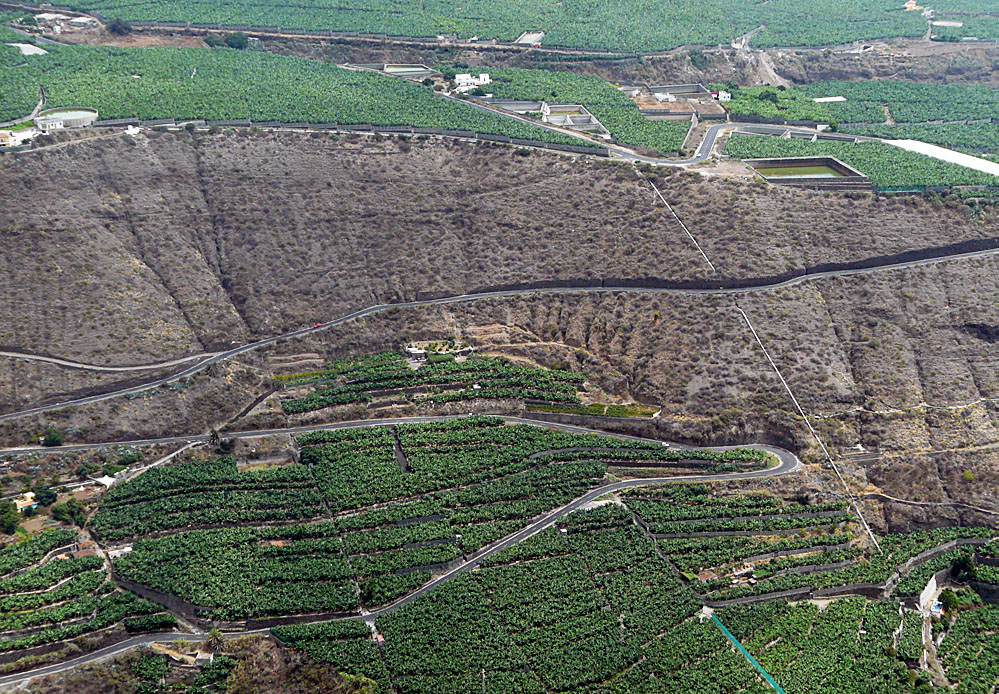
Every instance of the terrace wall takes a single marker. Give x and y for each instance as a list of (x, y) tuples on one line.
[(366, 128)]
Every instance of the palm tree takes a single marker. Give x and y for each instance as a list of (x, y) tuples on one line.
[(215, 640)]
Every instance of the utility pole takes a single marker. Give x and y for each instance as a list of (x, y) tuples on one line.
[(483, 681)]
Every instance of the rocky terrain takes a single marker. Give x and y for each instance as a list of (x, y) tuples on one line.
[(173, 244), (920, 61)]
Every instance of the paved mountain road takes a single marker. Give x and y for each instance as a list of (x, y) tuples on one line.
[(464, 298), (788, 463), (69, 363), (355, 423)]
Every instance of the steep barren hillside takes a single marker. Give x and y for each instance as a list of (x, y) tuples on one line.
[(136, 250), (131, 251)]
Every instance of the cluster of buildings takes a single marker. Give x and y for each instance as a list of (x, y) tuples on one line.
[(50, 121), (464, 82), (55, 23), (678, 101)]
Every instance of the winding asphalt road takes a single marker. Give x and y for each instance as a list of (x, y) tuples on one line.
[(788, 463), (70, 364), (353, 424), (464, 298)]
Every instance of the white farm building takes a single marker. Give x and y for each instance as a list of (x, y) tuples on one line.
[(61, 118), (464, 82)]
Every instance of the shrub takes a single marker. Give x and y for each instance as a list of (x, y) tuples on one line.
[(119, 27), (237, 40), (52, 437)]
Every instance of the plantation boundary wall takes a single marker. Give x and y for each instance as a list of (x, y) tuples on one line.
[(72, 547), (870, 590), (737, 533), (171, 602), (612, 283), (264, 623), (773, 516), (988, 591), (762, 120), (802, 550), (814, 568), (442, 566), (361, 128), (935, 552), (42, 649), (796, 593)]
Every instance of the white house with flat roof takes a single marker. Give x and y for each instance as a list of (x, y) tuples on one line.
[(465, 82)]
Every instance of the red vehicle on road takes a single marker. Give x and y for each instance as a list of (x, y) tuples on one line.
[(318, 325)]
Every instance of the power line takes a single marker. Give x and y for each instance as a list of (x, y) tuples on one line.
[(683, 226), (856, 506)]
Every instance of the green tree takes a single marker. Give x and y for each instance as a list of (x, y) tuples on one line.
[(237, 40), (45, 496), (73, 512), (119, 26), (9, 517), (87, 468), (949, 600), (216, 640), (963, 568), (214, 40), (698, 59), (52, 437)]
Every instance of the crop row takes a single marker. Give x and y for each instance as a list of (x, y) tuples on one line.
[(488, 377), (197, 476), (848, 647), (246, 578), (887, 166), (609, 105), (49, 574), (908, 102), (987, 574), (207, 493), (746, 524), (693, 553), (913, 583), (973, 138), (25, 553), (970, 651), (671, 509), (876, 567), (208, 508), (437, 459), (220, 84), (342, 368), (630, 25), (77, 586), (289, 569), (109, 610)]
